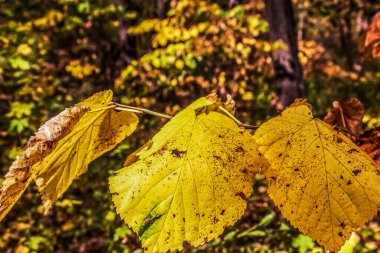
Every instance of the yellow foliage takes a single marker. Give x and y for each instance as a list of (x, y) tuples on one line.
[(190, 181), (24, 49), (63, 147), (80, 71), (371, 121), (96, 133), (323, 183), (22, 172)]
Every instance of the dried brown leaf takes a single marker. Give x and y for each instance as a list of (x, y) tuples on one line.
[(348, 114), (369, 44), (369, 142)]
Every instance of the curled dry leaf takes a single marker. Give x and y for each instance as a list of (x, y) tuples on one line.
[(99, 131), (348, 114), (63, 147), (369, 43), (369, 142), (322, 182), (39, 146), (190, 181)]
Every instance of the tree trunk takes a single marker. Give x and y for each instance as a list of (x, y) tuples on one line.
[(289, 82)]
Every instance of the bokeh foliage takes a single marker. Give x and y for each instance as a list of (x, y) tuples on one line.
[(161, 55)]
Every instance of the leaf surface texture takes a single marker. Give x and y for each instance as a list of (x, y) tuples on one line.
[(99, 131), (323, 183), (22, 172), (190, 182)]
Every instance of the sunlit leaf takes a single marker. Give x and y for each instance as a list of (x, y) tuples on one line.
[(97, 132), (39, 146), (324, 184), (190, 182)]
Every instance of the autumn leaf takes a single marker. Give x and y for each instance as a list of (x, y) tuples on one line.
[(369, 44), (21, 173), (190, 182), (97, 132), (323, 183), (348, 114), (369, 142)]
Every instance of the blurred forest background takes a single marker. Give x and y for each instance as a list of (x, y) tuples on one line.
[(163, 54)]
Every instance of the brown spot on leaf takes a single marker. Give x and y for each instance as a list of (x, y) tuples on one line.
[(352, 151), (178, 154), (241, 195), (161, 151)]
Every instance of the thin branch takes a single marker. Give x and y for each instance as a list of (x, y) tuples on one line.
[(140, 110), (103, 108), (247, 126), (347, 131), (128, 108)]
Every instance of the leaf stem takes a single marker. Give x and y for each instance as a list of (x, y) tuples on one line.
[(103, 108), (347, 131), (247, 126), (128, 108), (139, 110)]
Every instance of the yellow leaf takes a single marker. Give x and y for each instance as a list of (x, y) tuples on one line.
[(39, 146), (24, 49), (191, 180), (97, 132), (179, 64), (324, 184)]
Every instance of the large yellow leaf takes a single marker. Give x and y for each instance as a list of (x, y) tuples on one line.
[(324, 184), (97, 132), (190, 182), (21, 173)]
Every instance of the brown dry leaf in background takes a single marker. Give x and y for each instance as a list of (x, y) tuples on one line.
[(369, 43), (369, 142), (39, 146), (348, 114)]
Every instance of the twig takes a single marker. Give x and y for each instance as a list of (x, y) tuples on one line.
[(247, 126), (128, 108), (140, 110), (347, 131), (103, 108)]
